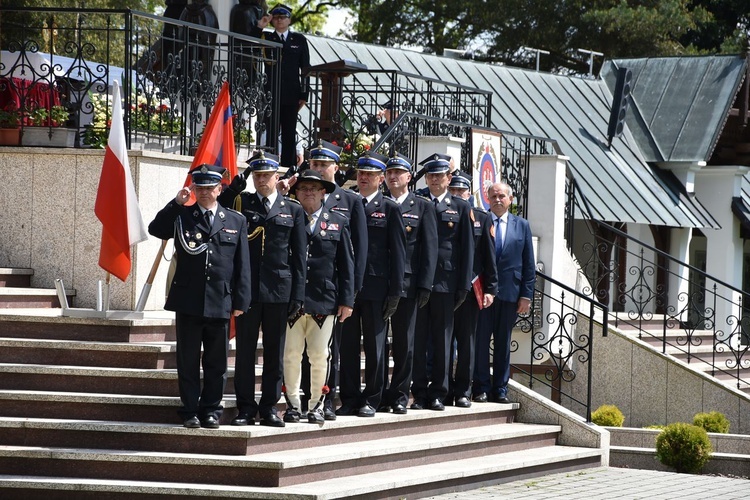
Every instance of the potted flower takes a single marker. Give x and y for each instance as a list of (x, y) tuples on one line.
[(10, 132), (46, 127)]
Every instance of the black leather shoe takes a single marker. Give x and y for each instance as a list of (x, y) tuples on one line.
[(480, 398), (503, 399), (291, 416), (243, 419), (210, 422), (384, 409), (272, 421), (192, 422), (366, 411), (418, 404), (316, 417), (463, 402), (399, 409), (437, 405), (346, 410), (328, 413)]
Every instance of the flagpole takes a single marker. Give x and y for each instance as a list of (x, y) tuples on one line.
[(141, 305), (106, 291)]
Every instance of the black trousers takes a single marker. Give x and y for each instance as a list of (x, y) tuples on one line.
[(366, 323), (272, 319), (212, 334), (435, 324), (286, 124), (403, 323), (464, 336)]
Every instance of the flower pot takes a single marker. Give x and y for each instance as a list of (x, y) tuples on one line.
[(10, 136), (60, 137)]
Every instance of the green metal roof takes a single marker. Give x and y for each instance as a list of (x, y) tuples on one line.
[(616, 182), (680, 104)]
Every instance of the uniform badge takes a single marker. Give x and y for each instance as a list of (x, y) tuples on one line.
[(191, 244), (447, 202), (221, 215), (195, 214), (323, 225), (198, 236), (338, 197), (333, 227), (282, 204), (325, 216), (408, 229), (322, 233), (204, 169), (450, 224)]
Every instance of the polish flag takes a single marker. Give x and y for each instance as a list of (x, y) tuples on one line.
[(116, 204)]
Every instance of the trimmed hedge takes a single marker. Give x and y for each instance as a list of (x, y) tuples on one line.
[(683, 446), (712, 422), (608, 416)]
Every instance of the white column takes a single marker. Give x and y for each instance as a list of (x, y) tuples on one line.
[(222, 8), (679, 248), (715, 187)]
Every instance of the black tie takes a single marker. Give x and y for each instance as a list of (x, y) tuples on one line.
[(267, 204), (435, 201), (207, 215), (364, 202)]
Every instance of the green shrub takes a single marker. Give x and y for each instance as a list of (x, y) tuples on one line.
[(712, 422), (608, 415), (683, 446)]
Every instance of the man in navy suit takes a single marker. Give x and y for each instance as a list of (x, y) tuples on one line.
[(516, 275), (278, 244), (211, 282), (292, 75), (329, 295), (380, 294), (420, 224)]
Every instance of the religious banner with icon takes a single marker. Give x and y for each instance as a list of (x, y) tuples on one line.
[(486, 169)]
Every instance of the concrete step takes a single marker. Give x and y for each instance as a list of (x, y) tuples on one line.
[(231, 440), (407, 482), (48, 324), (294, 465), (15, 277), (25, 297)]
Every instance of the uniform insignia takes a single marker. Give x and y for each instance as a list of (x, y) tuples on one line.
[(198, 236), (338, 197), (447, 202), (411, 202), (377, 203), (221, 215), (255, 217), (230, 231), (477, 223), (333, 227), (410, 216), (187, 234), (450, 224), (340, 209), (325, 216), (451, 211), (408, 229), (282, 203), (285, 216), (191, 244), (204, 169), (322, 233), (323, 225), (195, 214), (378, 215)]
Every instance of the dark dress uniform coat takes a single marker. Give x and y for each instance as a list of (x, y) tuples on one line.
[(212, 278), (277, 245)]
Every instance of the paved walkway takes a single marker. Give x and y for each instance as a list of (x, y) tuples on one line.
[(611, 482)]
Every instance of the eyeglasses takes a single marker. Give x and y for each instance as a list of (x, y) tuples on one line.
[(308, 189)]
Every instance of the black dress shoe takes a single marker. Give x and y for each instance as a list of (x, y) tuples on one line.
[(192, 422), (399, 409), (346, 410), (316, 416), (366, 411), (328, 413), (272, 420), (292, 416), (210, 422), (502, 399), (243, 419), (480, 398), (384, 409), (418, 404), (437, 405), (463, 402)]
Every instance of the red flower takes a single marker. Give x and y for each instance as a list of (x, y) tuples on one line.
[(326, 389), (367, 147), (283, 388), (335, 143), (348, 147)]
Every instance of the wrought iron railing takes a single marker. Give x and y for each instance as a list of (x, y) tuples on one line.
[(171, 72), (688, 312), (558, 335)]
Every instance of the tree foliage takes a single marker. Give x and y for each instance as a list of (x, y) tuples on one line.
[(496, 30)]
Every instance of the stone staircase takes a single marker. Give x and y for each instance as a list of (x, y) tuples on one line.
[(87, 410), (16, 291), (700, 355)]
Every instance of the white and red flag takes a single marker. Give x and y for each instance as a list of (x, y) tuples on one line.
[(116, 203)]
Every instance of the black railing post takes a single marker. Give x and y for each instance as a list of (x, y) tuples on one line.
[(127, 85)]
